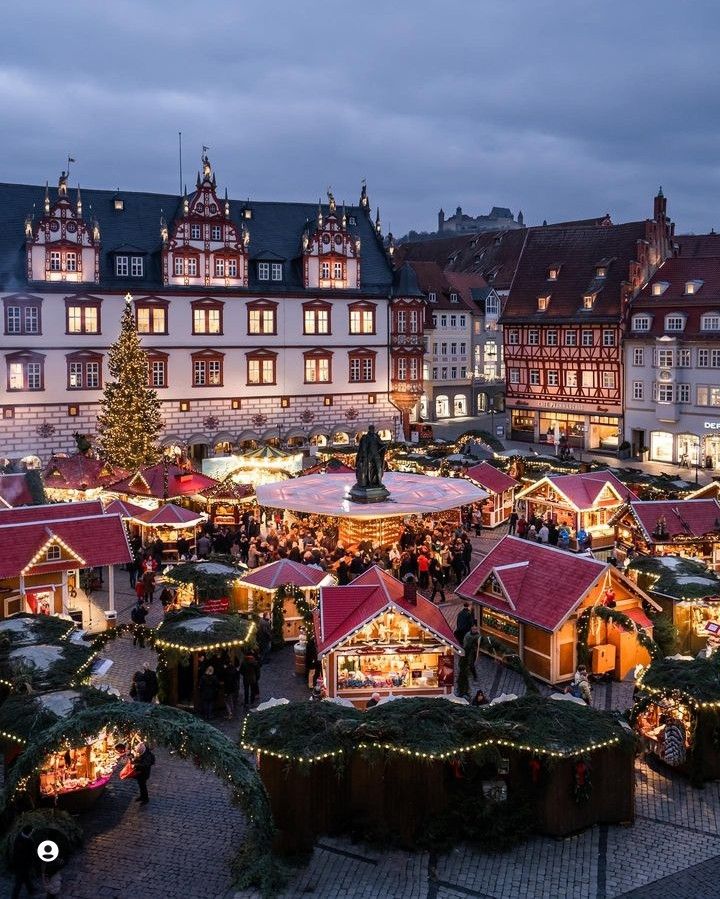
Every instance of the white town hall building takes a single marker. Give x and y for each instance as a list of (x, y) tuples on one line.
[(259, 320)]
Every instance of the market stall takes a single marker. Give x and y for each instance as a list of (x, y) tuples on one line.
[(688, 528), (44, 666), (688, 591), (283, 582), (429, 772), (379, 635), (677, 714), (188, 642), (210, 585), (580, 502), (170, 523), (378, 523), (76, 776), (514, 591), (501, 488), (227, 501), (163, 482), (263, 465), (78, 477), (25, 628)]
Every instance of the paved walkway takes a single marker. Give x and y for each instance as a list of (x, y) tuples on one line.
[(179, 845)]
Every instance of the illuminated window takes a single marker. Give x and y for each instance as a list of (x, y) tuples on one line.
[(82, 318), (261, 370), (362, 320), (317, 369), (25, 371), (316, 320), (151, 319), (543, 303), (261, 319), (207, 319)]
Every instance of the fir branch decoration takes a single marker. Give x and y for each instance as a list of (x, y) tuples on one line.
[(24, 718), (130, 421), (189, 738), (45, 666), (621, 620), (24, 628), (47, 824)]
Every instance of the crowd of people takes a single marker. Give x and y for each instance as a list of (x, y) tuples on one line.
[(547, 529)]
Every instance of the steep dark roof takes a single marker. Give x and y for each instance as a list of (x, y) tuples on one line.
[(676, 272), (578, 252), (431, 277), (275, 230), (698, 244), (405, 283)]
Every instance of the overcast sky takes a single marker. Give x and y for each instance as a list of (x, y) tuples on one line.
[(561, 108)]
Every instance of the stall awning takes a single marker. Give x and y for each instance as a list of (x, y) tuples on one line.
[(639, 617)]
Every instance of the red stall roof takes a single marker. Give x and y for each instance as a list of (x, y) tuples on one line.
[(150, 481), (491, 478), (84, 541), (530, 575), (582, 490), (79, 472), (344, 610), (282, 572), (683, 518), (51, 512), (14, 491)]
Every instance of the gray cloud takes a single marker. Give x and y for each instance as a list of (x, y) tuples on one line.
[(564, 109)]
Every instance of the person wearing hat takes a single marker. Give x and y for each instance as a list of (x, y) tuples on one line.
[(142, 761), (373, 701)]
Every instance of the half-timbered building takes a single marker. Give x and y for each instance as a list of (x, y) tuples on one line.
[(564, 323)]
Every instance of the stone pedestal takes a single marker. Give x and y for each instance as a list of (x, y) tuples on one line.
[(360, 494)]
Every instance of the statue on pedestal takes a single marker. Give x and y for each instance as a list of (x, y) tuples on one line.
[(369, 468)]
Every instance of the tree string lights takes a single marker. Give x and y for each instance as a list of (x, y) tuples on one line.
[(130, 421)]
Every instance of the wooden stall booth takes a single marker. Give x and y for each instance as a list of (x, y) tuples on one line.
[(677, 714), (78, 477), (190, 640), (580, 502), (689, 528), (164, 482), (44, 549), (528, 596), (212, 586), (74, 778), (501, 488), (575, 766), (227, 501), (258, 589), (403, 770), (379, 635), (687, 591), (44, 666), (169, 523)]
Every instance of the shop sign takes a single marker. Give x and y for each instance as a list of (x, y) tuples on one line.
[(712, 425)]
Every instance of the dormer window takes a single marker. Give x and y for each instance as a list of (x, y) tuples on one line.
[(129, 266), (659, 288), (543, 303), (118, 203), (588, 301), (247, 212), (432, 297), (710, 321), (53, 553), (601, 271), (263, 271), (641, 322), (553, 273), (692, 287), (453, 297), (674, 322)]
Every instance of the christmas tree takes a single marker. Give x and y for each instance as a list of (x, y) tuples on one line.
[(130, 421)]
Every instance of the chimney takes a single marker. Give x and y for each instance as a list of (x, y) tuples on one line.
[(410, 590)]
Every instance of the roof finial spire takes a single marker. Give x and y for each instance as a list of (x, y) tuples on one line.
[(47, 198), (319, 215), (78, 202), (660, 191), (364, 201), (331, 200), (378, 225)]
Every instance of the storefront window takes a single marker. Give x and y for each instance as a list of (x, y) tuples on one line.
[(688, 449), (523, 425), (711, 452), (661, 446), (570, 426)]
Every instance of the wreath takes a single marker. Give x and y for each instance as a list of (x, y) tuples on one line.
[(606, 613), (304, 608)]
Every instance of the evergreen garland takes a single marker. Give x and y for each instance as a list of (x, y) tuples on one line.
[(189, 738), (616, 617), (278, 612), (47, 824), (130, 420)]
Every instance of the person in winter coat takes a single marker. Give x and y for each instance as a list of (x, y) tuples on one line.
[(250, 673), (142, 761), (470, 648), (208, 689), (24, 858), (231, 686), (138, 615), (152, 686), (438, 580), (264, 636), (139, 688), (464, 622)]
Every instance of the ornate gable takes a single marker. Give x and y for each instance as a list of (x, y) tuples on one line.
[(205, 248), (60, 245), (331, 254)]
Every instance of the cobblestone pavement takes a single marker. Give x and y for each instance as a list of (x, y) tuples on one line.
[(179, 845)]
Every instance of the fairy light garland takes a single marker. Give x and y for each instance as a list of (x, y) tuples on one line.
[(674, 693), (432, 756), (43, 552), (226, 644)]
